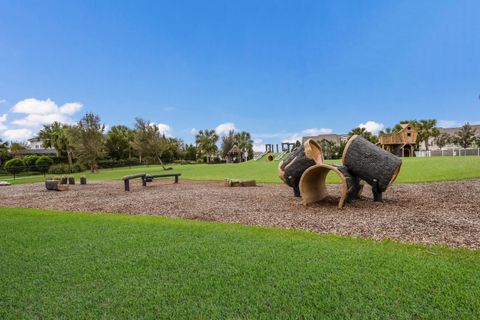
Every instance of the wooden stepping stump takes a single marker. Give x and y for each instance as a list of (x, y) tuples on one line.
[(377, 167), (55, 185), (83, 180)]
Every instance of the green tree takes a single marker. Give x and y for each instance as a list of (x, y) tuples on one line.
[(146, 141), (43, 163), (16, 146), (4, 154), (88, 140), (427, 128), (443, 139), (14, 166), (328, 148), (190, 152), (228, 141), (206, 141), (245, 143), (364, 133), (55, 135), (118, 142), (466, 136), (30, 162)]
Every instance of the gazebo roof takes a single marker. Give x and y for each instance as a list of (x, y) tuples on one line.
[(235, 149)]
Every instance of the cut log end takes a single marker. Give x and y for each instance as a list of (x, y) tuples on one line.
[(371, 163), (313, 187)]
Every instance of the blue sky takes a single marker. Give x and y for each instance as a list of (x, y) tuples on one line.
[(279, 69)]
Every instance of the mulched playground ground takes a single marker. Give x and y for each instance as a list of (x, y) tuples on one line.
[(443, 213)]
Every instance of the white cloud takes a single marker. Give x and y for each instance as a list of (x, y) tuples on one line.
[(258, 145), (193, 131), (449, 123), (224, 128), (70, 108), (35, 120), (165, 129), (372, 126), (3, 118), (168, 109), (19, 135), (34, 106), (293, 138), (316, 132), (41, 112), (2, 127)]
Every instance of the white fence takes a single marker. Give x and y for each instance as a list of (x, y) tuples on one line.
[(448, 152)]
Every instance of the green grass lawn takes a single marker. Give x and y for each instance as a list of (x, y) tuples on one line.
[(71, 265), (413, 170)]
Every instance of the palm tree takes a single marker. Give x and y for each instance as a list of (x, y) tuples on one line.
[(364, 133), (244, 142), (427, 128), (206, 141), (55, 135)]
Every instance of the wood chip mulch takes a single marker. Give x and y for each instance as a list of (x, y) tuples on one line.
[(442, 213)]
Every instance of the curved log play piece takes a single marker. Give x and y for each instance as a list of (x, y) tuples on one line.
[(313, 186), (290, 170), (372, 164), (270, 157)]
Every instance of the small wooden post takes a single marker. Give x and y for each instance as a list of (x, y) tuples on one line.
[(83, 180), (144, 181), (127, 184), (176, 179)]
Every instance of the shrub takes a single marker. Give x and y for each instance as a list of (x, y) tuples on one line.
[(43, 163), (14, 166), (30, 162), (59, 169), (63, 168)]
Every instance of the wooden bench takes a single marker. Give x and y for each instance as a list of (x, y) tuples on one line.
[(147, 178)]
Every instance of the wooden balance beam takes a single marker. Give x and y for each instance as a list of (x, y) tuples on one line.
[(126, 180), (150, 177), (147, 178)]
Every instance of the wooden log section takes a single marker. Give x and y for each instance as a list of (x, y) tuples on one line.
[(290, 170), (55, 185), (372, 164), (239, 183), (83, 180), (313, 186)]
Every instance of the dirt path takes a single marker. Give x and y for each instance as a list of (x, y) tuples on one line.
[(446, 213)]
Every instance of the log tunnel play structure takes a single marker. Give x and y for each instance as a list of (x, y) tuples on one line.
[(305, 171)]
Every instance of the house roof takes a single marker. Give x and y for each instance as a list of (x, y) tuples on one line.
[(235, 149), (453, 131), (36, 151)]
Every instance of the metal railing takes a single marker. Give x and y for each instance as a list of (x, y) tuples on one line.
[(456, 152), (22, 171)]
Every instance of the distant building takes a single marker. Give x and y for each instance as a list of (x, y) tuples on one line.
[(35, 147), (335, 138), (450, 131)]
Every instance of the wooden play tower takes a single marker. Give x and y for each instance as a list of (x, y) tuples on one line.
[(401, 143)]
